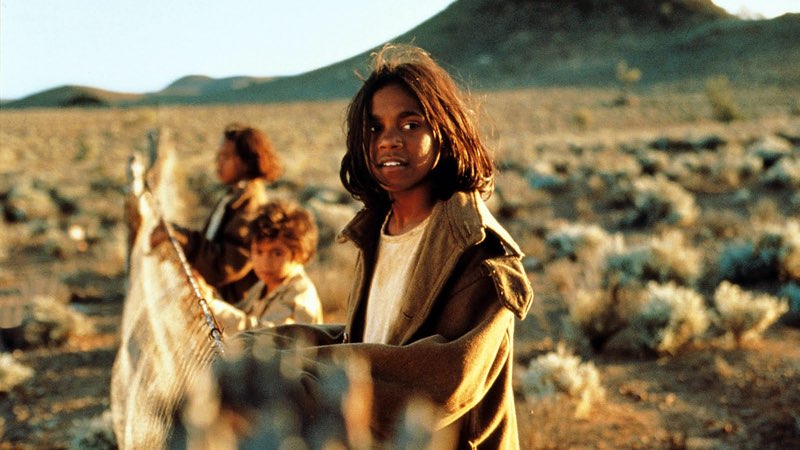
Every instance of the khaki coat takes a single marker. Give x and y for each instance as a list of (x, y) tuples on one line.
[(454, 343)]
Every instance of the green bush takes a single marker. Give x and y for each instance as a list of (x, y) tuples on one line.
[(720, 96)]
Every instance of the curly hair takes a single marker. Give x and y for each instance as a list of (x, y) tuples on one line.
[(288, 222), (255, 150), (464, 161)]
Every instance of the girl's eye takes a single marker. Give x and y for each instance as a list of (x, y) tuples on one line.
[(410, 126), (374, 128)]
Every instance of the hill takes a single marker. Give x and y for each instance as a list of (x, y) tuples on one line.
[(70, 95), (518, 43), (199, 86)]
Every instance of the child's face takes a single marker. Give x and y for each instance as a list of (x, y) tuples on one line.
[(230, 168), (273, 261), (402, 149)]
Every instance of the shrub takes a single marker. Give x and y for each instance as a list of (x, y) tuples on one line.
[(543, 176), (657, 199), (12, 373), (562, 373), (791, 292), (47, 321), (671, 317), (95, 433), (720, 96), (783, 174), (769, 150), (665, 258), (573, 240), (583, 117), (600, 314), (628, 77), (745, 315), (774, 254)]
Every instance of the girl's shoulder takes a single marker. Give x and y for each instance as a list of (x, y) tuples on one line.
[(468, 217)]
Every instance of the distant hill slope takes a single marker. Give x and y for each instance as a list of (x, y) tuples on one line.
[(493, 44), (199, 86), (516, 43), (66, 96)]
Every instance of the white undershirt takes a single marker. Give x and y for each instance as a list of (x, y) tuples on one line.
[(395, 261), (216, 216)]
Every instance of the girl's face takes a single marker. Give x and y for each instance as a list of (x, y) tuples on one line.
[(402, 148), (230, 168), (273, 261)]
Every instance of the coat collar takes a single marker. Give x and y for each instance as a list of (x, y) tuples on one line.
[(464, 217)]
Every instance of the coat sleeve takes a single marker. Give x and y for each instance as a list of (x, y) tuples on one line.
[(454, 365)]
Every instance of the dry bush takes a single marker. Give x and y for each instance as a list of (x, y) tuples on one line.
[(610, 164), (772, 253), (744, 315), (94, 433), (769, 149), (577, 241), (720, 96), (666, 257), (543, 175), (12, 374), (599, 314), (47, 321), (562, 373), (657, 199), (791, 291), (583, 117), (785, 174), (671, 317), (721, 224)]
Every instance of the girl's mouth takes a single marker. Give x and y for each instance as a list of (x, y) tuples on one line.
[(390, 161)]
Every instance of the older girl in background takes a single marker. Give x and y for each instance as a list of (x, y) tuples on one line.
[(246, 162)]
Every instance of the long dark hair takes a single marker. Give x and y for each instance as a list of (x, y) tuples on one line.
[(464, 162), (255, 150)]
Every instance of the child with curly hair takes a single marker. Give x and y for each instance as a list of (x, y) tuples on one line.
[(283, 238)]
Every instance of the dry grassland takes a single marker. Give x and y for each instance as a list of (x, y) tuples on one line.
[(67, 168)]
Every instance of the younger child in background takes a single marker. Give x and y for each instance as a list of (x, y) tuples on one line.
[(283, 238)]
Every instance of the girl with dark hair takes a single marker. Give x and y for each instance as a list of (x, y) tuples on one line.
[(438, 282)]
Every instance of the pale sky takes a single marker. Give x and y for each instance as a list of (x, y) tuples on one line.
[(144, 45)]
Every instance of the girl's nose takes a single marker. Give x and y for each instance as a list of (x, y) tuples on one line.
[(389, 138)]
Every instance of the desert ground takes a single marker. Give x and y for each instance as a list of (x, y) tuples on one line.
[(566, 158)]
